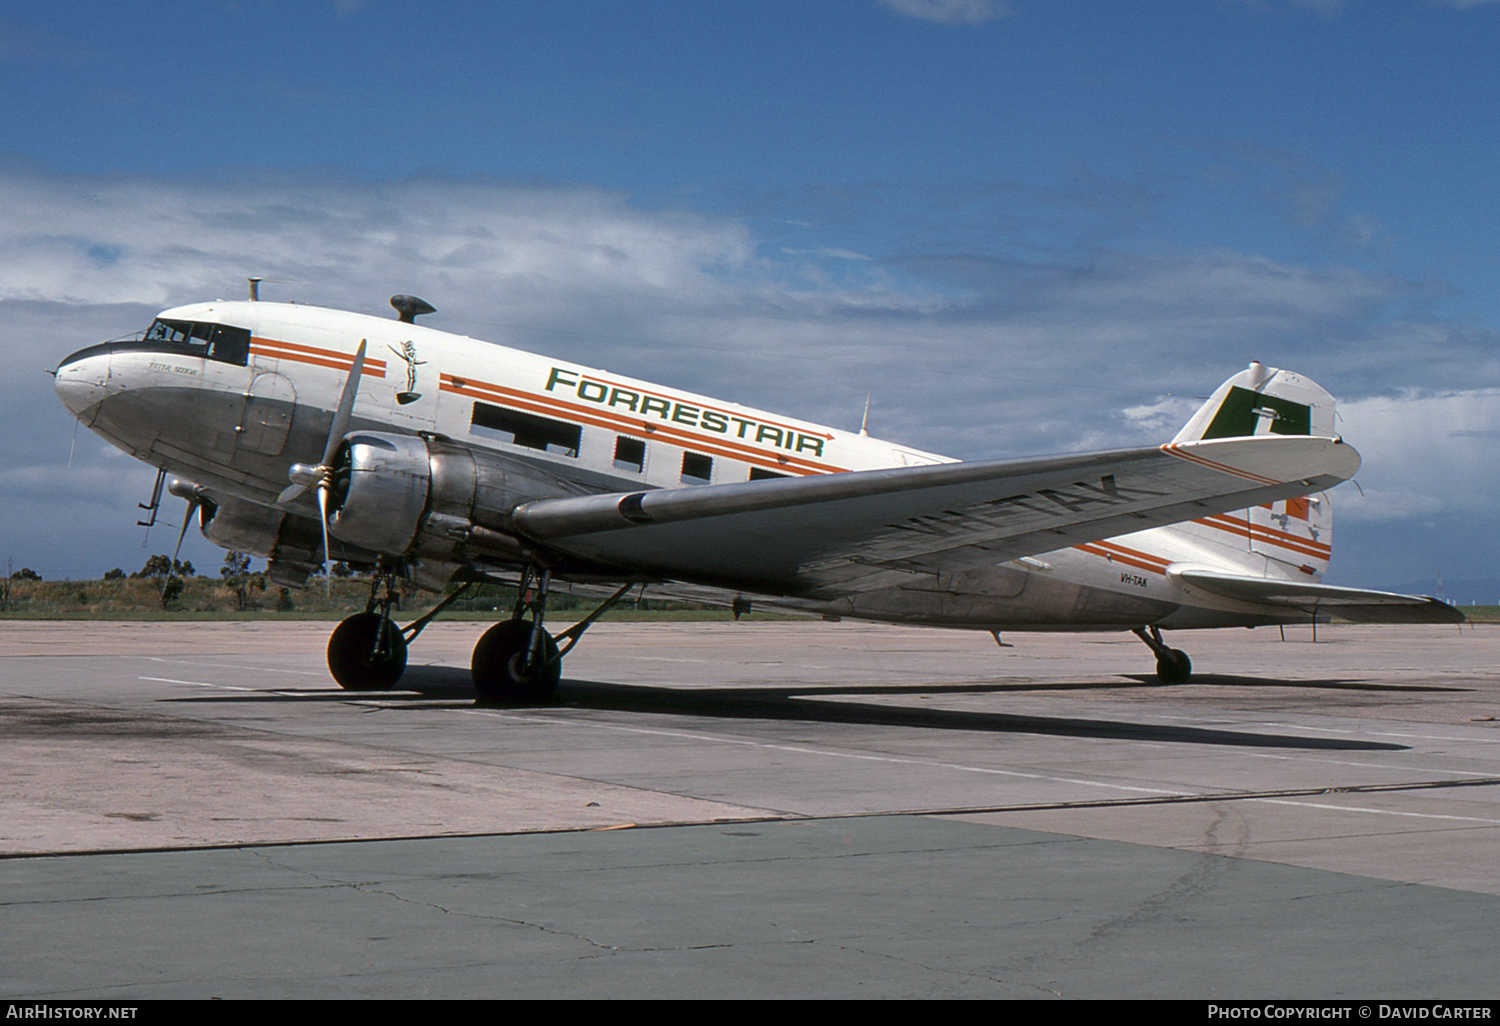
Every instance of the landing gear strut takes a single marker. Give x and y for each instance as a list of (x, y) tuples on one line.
[(367, 651), (1172, 664), (516, 661)]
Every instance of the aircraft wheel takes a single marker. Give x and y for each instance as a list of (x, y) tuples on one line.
[(499, 658), (1174, 668), (354, 658)]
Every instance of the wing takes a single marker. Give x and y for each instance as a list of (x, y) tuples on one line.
[(839, 533), (1352, 605)]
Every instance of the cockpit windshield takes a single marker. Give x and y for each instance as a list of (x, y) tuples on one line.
[(220, 342)]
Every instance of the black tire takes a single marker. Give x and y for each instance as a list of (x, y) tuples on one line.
[(1174, 668), (355, 659), (497, 666)]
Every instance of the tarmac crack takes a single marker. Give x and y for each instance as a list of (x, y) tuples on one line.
[(374, 889)]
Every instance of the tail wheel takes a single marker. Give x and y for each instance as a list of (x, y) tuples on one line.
[(501, 676), (367, 652), (1174, 667)]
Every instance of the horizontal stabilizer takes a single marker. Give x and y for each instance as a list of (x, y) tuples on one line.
[(838, 533), (1351, 605)]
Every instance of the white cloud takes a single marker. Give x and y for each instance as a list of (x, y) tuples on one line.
[(968, 352), (951, 12), (1423, 454)]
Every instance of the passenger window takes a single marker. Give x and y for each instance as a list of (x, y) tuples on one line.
[(555, 436), (696, 468), (630, 454), (757, 474)]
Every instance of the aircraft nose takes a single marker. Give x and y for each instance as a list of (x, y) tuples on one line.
[(82, 381)]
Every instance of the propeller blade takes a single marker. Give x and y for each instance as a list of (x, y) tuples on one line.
[(346, 406), (323, 490), (186, 520), (290, 493), (303, 477)]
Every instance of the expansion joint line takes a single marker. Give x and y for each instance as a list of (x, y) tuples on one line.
[(1180, 799)]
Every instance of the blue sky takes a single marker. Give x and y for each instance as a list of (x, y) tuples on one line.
[(1024, 227)]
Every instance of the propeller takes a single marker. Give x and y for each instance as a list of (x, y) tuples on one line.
[(320, 476), (194, 495)]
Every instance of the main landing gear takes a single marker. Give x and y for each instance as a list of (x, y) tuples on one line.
[(367, 651), (515, 662), (1172, 664)]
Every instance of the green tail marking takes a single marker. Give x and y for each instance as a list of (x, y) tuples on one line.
[(1237, 415)]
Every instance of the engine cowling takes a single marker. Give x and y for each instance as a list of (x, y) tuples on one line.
[(292, 545), (408, 495)]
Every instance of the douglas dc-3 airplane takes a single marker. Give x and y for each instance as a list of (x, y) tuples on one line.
[(428, 456)]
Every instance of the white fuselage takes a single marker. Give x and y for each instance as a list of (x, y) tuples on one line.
[(235, 428)]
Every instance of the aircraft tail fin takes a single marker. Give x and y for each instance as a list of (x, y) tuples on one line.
[(1262, 400), (1290, 538)]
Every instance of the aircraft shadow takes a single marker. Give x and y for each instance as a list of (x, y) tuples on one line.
[(800, 704), (426, 684), (1330, 683)]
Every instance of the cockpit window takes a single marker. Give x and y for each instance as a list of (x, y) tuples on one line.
[(222, 342), (176, 332)]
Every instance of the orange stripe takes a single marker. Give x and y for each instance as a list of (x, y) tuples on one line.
[(289, 351), (1118, 549), (302, 347), (1171, 449), (313, 360), (375, 371), (1264, 539), (1139, 560), (299, 353), (590, 415), (1268, 535), (1297, 539)]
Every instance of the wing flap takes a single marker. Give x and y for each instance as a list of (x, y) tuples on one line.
[(1352, 605), (838, 533)]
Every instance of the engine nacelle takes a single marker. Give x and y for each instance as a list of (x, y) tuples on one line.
[(380, 488), (406, 495), (293, 545)]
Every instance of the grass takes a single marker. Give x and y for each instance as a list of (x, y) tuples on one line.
[(206, 598)]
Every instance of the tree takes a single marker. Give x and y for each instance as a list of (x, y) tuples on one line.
[(166, 566), (156, 566), (236, 574), (26, 574), (171, 591), (114, 575)]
